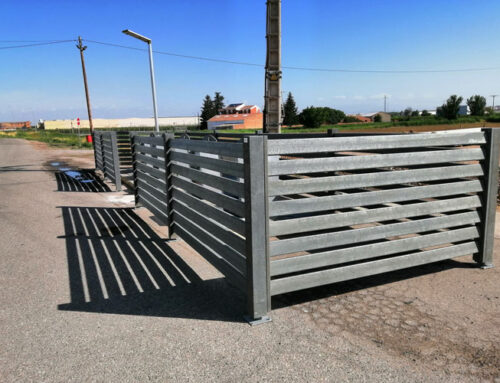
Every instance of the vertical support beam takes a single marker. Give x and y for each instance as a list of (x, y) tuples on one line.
[(257, 229), (489, 202), (134, 169), (95, 137), (116, 161), (168, 190)]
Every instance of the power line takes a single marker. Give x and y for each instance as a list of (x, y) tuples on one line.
[(37, 44), (341, 70), (177, 54), (234, 62), (26, 41)]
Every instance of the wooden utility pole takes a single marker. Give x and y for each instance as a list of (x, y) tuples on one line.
[(82, 47), (273, 102)]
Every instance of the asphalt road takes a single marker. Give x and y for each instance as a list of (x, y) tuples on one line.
[(160, 313)]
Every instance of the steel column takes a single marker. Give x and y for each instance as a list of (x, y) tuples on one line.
[(257, 228), (116, 161), (134, 169), (168, 191), (489, 201)]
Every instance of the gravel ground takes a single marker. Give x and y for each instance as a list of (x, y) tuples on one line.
[(178, 320)]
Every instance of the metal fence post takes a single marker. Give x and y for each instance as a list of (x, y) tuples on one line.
[(257, 229), (168, 192), (134, 169), (489, 201), (116, 161)]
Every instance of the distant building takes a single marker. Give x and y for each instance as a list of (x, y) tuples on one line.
[(239, 108), (361, 118), (15, 125), (384, 117), (237, 116), (103, 123)]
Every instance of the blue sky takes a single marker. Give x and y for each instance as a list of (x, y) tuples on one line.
[(46, 82)]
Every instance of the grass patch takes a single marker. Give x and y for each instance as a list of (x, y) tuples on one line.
[(413, 122), (52, 138)]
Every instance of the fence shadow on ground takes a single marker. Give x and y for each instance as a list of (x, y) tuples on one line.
[(117, 264), (81, 180)]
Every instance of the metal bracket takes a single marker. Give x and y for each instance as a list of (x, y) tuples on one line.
[(255, 322)]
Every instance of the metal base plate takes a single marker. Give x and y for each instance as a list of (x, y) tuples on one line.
[(255, 322), (487, 266)]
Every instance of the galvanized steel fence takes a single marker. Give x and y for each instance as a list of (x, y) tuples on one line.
[(277, 214), (106, 156)]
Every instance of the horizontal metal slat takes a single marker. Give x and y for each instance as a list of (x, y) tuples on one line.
[(220, 148), (232, 205), (161, 195), (157, 162), (327, 164), (230, 221), (224, 184), (157, 183), (335, 220), (157, 141), (221, 233), (318, 278), (237, 261), (160, 152), (220, 264), (310, 185), (320, 241), (335, 144), (313, 204), (159, 203), (225, 167), (358, 253), (148, 204), (150, 170)]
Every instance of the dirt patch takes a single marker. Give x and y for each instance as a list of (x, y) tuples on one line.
[(402, 326)]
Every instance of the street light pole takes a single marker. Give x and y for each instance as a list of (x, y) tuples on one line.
[(151, 70)]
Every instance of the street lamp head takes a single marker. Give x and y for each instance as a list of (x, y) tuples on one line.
[(137, 36)]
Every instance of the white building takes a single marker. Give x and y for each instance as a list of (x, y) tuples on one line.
[(103, 123)]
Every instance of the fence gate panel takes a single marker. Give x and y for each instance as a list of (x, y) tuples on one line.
[(346, 207)]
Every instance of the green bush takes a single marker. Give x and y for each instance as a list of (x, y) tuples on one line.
[(314, 117), (493, 118)]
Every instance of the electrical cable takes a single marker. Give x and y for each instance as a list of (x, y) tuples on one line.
[(312, 69), (37, 44)]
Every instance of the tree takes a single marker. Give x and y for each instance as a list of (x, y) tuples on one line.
[(477, 105), (407, 112), (415, 113), (450, 109), (207, 111), (290, 110), (313, 117), (218, 102), (210, 108), (377, 118), (425, 113), (334, 116)]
